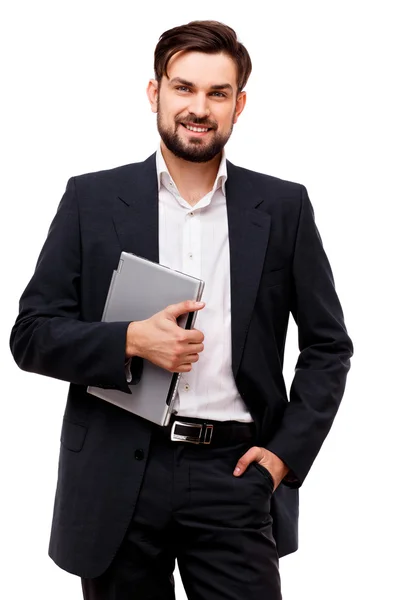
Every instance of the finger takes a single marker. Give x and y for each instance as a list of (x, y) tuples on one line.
[(195, 348), (254, 453), (183, 368), (181, 308), (194, 336), (191, 358)]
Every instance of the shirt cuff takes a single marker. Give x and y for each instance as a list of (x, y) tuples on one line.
[(128, 373)]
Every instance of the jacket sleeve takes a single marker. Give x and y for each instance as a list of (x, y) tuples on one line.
[(49, 337), (325, 350)]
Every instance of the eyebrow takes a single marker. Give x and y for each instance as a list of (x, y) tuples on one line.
[(217, 86)]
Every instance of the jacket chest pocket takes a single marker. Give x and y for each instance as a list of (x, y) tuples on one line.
[(275, 277)]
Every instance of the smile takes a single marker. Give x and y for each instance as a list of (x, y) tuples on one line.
[(196, 129)]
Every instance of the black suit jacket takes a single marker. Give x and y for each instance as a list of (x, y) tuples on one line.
[(278, 266)]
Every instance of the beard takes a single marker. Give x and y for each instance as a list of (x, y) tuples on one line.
[(195, 149)]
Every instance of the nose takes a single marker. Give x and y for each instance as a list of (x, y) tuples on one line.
[(199, 106)]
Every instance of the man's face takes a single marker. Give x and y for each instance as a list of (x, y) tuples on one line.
[(200, 92)]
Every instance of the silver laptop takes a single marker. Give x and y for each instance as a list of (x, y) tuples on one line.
[(140, 288)]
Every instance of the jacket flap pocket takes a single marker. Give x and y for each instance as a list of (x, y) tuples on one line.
[(73, 435)]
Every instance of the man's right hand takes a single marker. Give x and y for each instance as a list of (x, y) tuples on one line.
[(162, 341)]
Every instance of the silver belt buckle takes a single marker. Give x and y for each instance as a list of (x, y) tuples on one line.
[(202, 427)]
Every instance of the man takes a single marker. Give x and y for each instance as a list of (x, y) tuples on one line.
[(132, 496)]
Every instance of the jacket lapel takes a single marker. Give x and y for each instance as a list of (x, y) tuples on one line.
[(136, 222), (249, 230), (135, 210)]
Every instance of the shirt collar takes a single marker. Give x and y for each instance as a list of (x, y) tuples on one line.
[(220, 179)]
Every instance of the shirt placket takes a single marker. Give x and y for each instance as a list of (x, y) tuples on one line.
[(191, 261), (191, 247)]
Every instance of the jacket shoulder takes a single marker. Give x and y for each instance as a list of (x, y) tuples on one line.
[(116, 174), (276, 185)]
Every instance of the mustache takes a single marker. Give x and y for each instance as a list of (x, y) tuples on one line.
[(201, 122)]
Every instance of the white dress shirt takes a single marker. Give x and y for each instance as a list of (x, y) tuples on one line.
[(194, 240)]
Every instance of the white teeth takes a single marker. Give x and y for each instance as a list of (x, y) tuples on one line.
[(197, 129)]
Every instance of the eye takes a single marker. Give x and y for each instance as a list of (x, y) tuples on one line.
[(182, 87), (219, 94)]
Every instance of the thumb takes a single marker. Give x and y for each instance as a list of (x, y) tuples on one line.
[(175, 310), (250, 456)]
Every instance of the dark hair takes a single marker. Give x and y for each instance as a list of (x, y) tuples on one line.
[(210, 37)]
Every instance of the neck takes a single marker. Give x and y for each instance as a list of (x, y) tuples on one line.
[(193, 180)]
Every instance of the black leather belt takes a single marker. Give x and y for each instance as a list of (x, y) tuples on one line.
[(209, 432)]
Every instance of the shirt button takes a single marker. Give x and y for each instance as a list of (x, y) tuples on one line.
[(187, 387), (191, 214), (190, 255)]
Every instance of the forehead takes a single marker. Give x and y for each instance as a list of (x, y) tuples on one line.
[(203, 69)]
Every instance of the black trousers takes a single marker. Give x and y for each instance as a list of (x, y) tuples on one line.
[(191, 508)]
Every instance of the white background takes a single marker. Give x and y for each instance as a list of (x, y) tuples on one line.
[(322, 110)]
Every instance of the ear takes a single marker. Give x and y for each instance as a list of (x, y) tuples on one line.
[(240, 104), (152, 94)]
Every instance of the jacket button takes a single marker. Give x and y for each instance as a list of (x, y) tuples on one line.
[(139, 454)]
